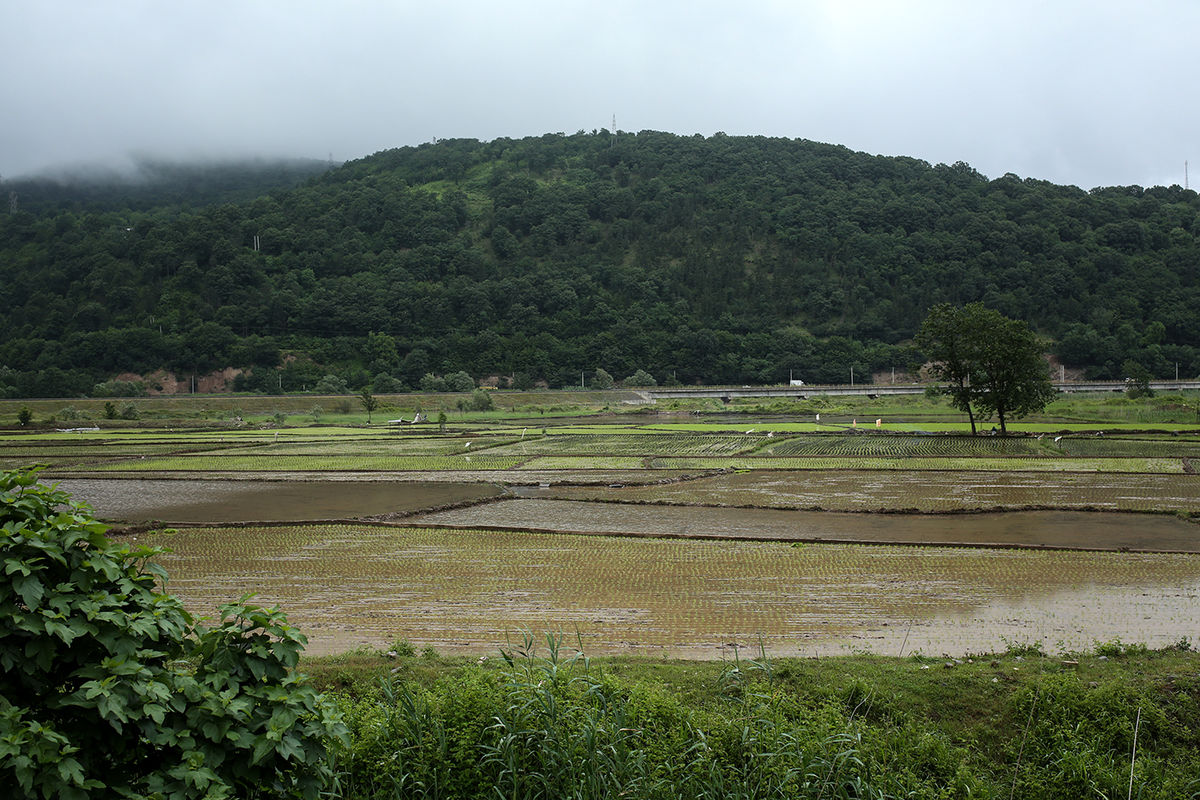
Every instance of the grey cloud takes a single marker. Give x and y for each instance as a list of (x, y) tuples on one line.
[(1090, 93)]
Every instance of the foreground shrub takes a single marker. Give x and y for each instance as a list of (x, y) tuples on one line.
[(109, 688)]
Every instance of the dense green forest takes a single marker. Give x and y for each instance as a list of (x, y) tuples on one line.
[(718, 260)]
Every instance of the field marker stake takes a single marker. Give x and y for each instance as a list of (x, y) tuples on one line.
[(905, 642), (1133, 756), (1024, 734)]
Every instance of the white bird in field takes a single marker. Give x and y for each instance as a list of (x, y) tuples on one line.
[(1057, 439), (750, 431), (467, 446)]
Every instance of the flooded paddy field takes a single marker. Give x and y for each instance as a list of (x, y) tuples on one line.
[(464, 591), (1058, 529), (194, 501), (932, 491)]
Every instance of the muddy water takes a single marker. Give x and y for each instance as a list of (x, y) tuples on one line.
[(1025, 528), (184, 501)]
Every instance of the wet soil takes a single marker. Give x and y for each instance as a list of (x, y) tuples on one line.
[(207, 501), (925, 491), (1054, 529), (465, 591)]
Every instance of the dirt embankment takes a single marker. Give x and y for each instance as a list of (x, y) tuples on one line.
[(162, 382)]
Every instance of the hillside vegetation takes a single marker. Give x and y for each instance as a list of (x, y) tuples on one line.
[(719, 260)]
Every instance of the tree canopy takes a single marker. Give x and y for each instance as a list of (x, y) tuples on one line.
[(990, 363)]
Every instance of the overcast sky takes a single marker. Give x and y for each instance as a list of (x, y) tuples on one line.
[(1085, 92)]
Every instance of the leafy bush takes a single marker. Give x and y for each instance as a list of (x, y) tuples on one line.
[(119, 389), (109, 688), (640, 378), (459, 382), (480, 400), (432, 383), (385, 384), (331, 384)]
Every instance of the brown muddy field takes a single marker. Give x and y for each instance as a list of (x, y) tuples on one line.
[(200, 501), (463, 591), (1058, 529)]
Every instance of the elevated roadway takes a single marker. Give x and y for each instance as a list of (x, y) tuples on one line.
[(729, 393)]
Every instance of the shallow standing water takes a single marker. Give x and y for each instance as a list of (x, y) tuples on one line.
[(1067, 529), (464, 591), (180, 501)]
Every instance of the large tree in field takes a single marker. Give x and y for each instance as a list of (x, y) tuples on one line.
[(945, 338), (992, 364)]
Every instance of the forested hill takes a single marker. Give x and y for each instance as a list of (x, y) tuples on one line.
[(721, 259)]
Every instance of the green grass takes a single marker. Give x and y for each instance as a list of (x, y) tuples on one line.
[(1007, 725), (313, 463), (921, 463)]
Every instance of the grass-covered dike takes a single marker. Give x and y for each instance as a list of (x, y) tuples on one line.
[(540, 719)]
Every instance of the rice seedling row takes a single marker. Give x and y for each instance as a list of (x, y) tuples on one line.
[(929, 492), (904, 446), (465, 591), (645, 444), (922, 463), (1056, 529), (310, 463), (382, 446)]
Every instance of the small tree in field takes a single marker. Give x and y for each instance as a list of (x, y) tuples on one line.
[(370, 403), (109, 688)]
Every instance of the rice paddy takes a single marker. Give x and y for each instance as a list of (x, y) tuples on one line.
[(710, 531), (465, 590)]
